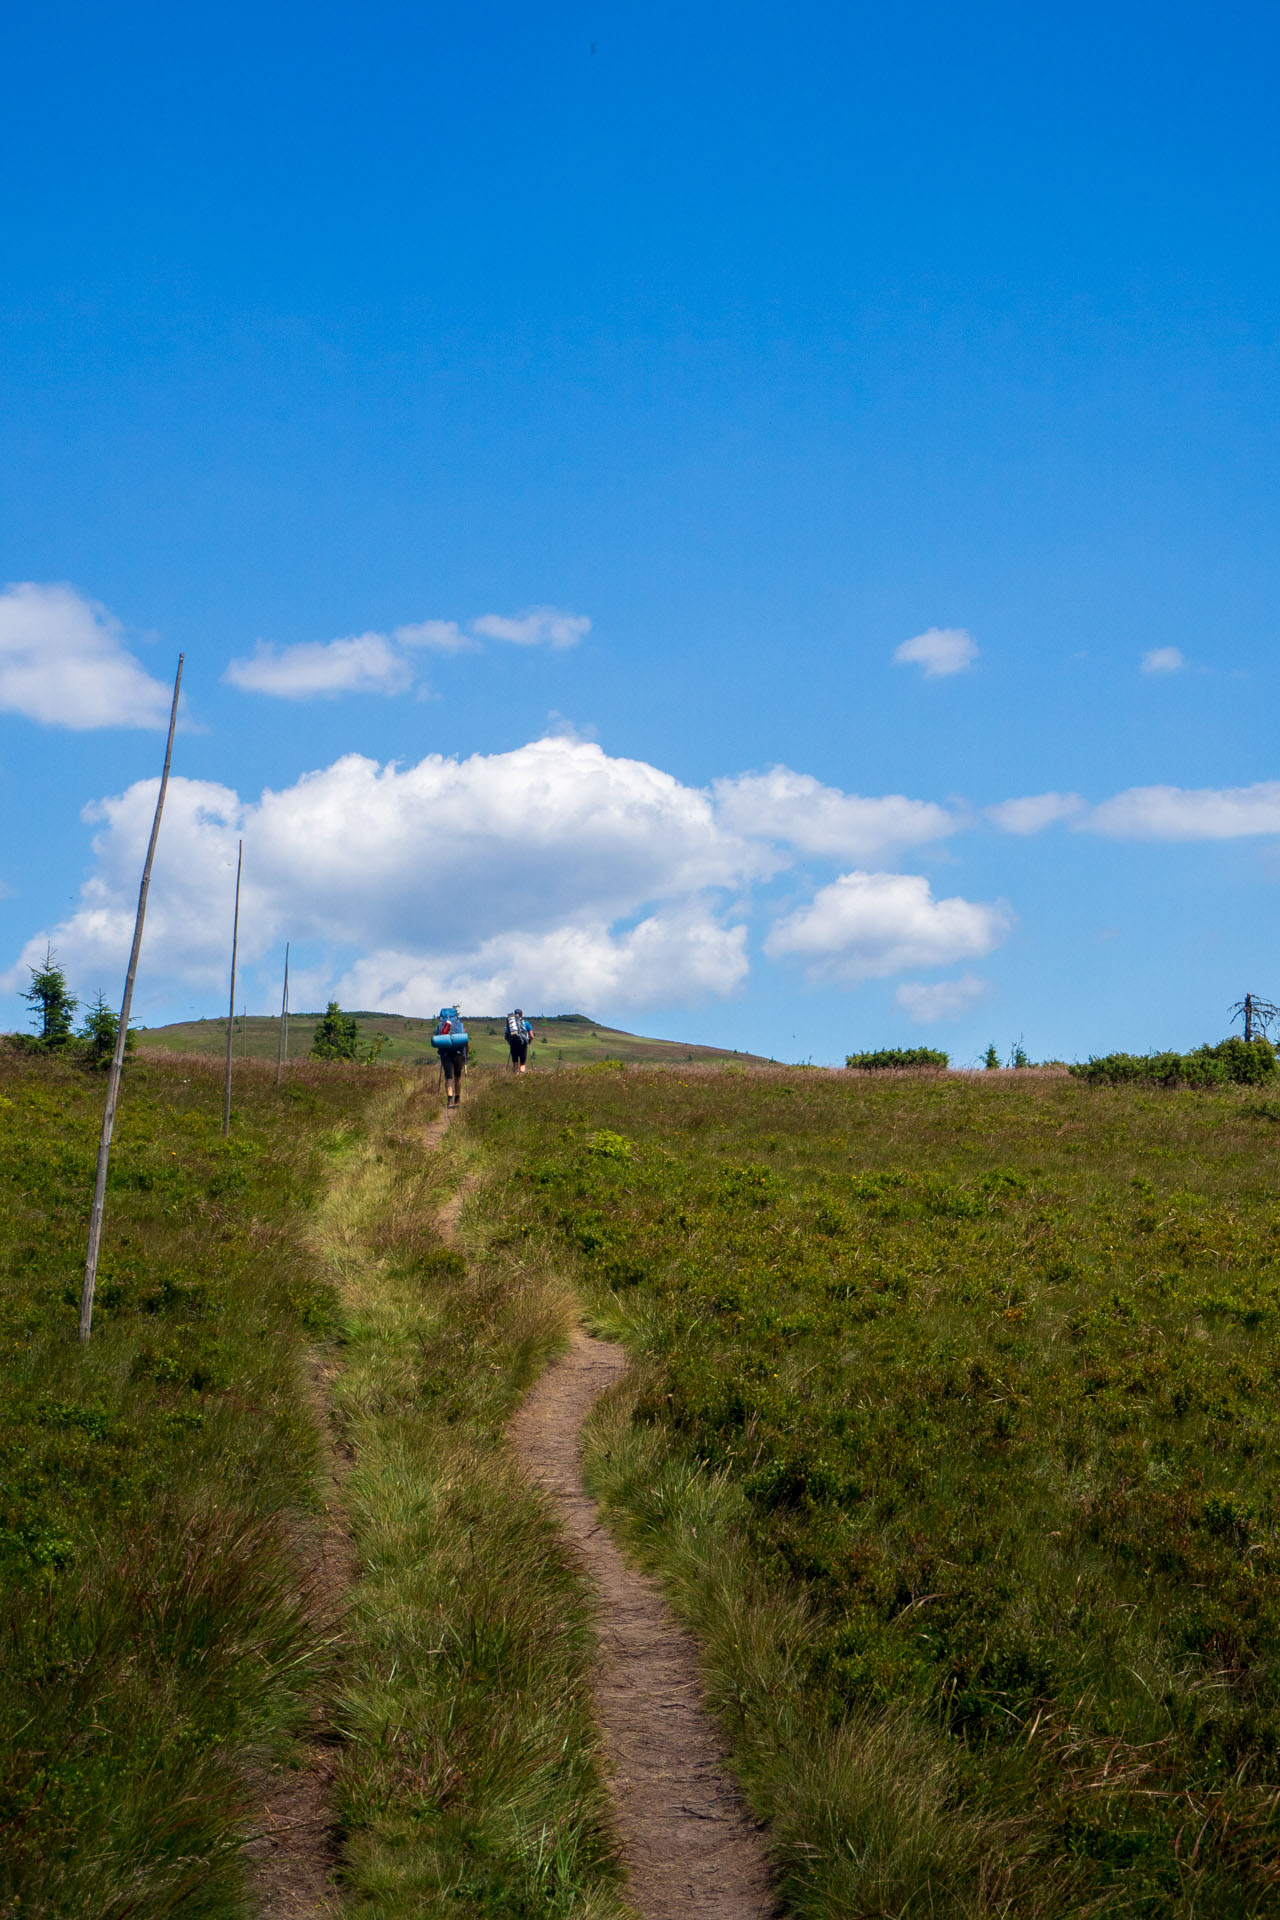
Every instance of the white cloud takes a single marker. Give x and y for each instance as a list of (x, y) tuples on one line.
[(866, 925), (63, 661), (365, 663), (941, 1001), (1188, 813), (381, 663), (1035, 811), (604, 877), (443, 636), (1163, 660), (537, 626), (799, 810), (941, 650), (683, 953)]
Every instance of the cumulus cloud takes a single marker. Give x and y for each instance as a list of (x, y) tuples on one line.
[(536, 627), (940, 650), (1163, 660), (63, 661), (1188, 813), (365, 663), (866, 925), (605, 877), (814, 819), (1035, 811), (683, 952), (940, 1001)]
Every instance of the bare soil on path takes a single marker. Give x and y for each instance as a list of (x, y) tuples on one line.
[(292, 1860), (691, 1847)]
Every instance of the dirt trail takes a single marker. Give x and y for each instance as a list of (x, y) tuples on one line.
[(691, 1847), (292, 1860)]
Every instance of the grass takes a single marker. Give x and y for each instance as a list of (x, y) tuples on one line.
[(954, 1431), (569, 1039), (156, 1488), (469, 1784)]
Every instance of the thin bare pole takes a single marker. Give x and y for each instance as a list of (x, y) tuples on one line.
[(282, 1049), (231, 1007), (122, 1039)]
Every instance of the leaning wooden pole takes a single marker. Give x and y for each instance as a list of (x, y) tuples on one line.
[(122, 1040), (231, 1005), (282, 1048)]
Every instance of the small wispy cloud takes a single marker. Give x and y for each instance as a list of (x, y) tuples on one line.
[(442, 636), (940, 1001), (1188, 813), (383, 662), (1034, 812), (1163, 660), (365, 663), (940, 651), (535, 627)]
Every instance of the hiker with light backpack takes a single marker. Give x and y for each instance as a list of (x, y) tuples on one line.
[(519, 1038), (450, 1042)]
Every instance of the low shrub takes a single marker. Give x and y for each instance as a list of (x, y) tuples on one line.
[(899, 1057), (1248, 1063)]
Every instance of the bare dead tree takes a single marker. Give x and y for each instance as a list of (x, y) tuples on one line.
[(98, 1210), (282, 1049), (231, 1006), (1256, 1014)]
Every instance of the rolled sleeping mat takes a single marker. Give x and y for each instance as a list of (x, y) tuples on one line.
[(448, 1041)]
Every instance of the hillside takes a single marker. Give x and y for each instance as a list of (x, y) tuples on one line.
[(566, 1039)]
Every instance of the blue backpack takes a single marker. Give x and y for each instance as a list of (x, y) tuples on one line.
[(457, 1034)]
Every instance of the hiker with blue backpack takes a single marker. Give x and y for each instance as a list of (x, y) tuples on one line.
[(450, 1043), (519, 1037)]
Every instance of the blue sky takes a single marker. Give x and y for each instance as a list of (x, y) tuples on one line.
[(764, 340)]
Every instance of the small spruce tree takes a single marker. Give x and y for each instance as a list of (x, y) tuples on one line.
[(1019, 1057), (991, 1058), (52, 1005), (101, 1024), (337, 1036)]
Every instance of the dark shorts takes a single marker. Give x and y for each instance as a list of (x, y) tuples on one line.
[(453, 1059), (519, 1050)]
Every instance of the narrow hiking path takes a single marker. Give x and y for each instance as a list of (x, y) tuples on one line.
[(690, 1845)]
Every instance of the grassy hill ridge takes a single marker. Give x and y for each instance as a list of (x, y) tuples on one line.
[(563, 1039)]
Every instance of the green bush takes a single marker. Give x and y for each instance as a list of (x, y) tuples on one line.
[(899, 1057), (337, 1035), (1249, 1063)]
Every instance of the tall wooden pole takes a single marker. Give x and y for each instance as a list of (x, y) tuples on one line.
[(231, 1007), (122, 1039), (282, 1049)]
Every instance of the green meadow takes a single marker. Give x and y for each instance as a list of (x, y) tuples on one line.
[(955, 1430), (952, 1431)]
